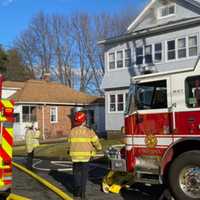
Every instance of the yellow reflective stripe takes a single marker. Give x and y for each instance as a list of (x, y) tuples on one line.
[(1, 183), (7, 148), (2, 118), (77, 140), (94, 139), (10, 131), (80, 153), (77, 160), (7, 103)]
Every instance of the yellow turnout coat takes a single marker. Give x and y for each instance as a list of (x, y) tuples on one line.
[(83, 143)]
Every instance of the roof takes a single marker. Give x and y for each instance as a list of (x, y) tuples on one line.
[(40, 91), (13, 84), (172, 25), (131, 34), (195, 3), (133, 24)]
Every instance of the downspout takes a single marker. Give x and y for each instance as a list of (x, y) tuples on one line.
[(43, 123)]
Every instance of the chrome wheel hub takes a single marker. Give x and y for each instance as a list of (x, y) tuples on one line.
[(189, 181)]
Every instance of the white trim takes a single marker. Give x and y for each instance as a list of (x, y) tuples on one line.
[(56, 114), (12, 88), (116, 102), (51, 103), (166, 6), (154, 52), (176, 48), (115, 61), (140, 15), (162, 140)]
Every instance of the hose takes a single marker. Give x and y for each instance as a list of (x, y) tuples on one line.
[(44, 182), (16, 197)]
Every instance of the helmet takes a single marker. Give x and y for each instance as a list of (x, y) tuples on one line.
[(80, 118), (29, 125)]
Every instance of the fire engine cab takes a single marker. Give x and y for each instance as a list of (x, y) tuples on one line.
[(162, 132)]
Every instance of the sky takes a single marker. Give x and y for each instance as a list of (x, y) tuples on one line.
[(15, 15)]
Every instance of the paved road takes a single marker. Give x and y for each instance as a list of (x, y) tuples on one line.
[(28, 187), (64, 180)]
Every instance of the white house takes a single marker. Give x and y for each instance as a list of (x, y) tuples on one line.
[(165, 36)]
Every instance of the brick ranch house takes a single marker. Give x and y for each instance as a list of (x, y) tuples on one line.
[(50, 105)]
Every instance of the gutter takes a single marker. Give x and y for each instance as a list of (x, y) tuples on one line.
[(55, 103), (52, 103), (151, 31)]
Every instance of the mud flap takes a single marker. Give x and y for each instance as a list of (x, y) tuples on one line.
[(114, 181)]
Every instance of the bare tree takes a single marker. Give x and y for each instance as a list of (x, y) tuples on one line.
[(67, 46), (62, 49)]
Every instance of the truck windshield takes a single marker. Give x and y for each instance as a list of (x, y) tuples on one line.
[(150, 95)]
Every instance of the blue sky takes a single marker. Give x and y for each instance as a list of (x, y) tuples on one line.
[(16, 14)]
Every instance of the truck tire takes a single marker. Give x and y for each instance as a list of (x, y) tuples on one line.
[(184, 176)]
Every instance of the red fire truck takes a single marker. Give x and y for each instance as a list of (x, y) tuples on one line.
[(6, 144), (162, 132)]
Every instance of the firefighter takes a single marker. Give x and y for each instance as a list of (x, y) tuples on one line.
[(83, 144), (29, 144), (32, 137), (36, 136)]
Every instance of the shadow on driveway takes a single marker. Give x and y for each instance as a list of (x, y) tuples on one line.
[(64, 178), (136, 192)]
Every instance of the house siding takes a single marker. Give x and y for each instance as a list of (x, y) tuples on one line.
[(114, 120), (151, 19), (121, 77), (116, 80)]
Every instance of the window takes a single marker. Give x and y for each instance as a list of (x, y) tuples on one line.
[(151, 95), (127, 57), (117, 102), (53, 114), (119, 59), (29, 113), (192, 87), (192, 46), (111, 60), (148, 54), (120, 102), (171, 50), (182, 53), (112, 103), (158, 52), (167, 11), (182, 48), (139, 55)]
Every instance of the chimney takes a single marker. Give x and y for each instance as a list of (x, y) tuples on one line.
[(47, 76)]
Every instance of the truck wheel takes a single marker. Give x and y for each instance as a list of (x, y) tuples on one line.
[(184, 176)]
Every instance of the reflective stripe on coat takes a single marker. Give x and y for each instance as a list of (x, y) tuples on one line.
[(83, 144)]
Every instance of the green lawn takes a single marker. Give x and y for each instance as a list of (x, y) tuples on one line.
[(58, 150)]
